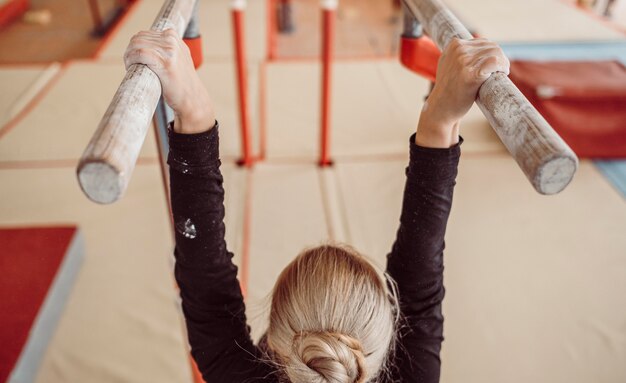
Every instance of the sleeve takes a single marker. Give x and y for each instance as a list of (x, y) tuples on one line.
[(416, 261), (212, 301)]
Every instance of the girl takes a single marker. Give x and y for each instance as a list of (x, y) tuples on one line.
[(332, 318)]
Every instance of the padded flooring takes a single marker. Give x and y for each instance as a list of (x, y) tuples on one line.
[(219, 76), (286, 213), (369, 118), (19, 86), (522, 270), (123, 307), (531, 21), (601, 50), (534, 283), (532, 286), (61, 124), (39, 267), (127, 250)]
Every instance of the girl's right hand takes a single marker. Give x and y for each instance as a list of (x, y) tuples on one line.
[(463, 67)]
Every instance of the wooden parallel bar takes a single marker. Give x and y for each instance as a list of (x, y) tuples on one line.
[(109, 159), (541, 153)]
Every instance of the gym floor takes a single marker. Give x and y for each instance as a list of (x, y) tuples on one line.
[(535, 285)]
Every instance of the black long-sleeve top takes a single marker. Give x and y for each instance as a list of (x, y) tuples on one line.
[(211, 296)]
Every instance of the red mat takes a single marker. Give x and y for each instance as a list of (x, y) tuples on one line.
[(584, 101), (29, 260), (11, 10)]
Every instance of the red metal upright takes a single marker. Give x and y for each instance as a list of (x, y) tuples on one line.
[(272, 27), (329, 8), (238, 8)]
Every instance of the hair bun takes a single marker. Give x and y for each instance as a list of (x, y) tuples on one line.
[(325, 357)]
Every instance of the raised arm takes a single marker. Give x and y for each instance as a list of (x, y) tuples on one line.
[(416, 259), (211, 297)]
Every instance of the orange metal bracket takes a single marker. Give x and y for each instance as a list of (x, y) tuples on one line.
[(420, 55), (195, 47)]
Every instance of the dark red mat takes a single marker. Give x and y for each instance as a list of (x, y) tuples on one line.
[(584, 101), (29, 261)]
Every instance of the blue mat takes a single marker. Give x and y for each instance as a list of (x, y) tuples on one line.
[(614, 171), (576, 51)]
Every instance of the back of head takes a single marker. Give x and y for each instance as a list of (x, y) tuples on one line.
[(332, 319)]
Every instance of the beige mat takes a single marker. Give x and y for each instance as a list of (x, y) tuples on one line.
[(220, 79), (60, 126), (140, 18), (215, 28), (19, 86), (215, 20), (121, 322), (533, 283), (376, 105), (531, 20), (287, 214)]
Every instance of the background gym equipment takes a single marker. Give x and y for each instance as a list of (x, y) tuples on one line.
[(542, 155), (106, 166)]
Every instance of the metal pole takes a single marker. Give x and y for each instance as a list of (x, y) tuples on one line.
[(329, 8), (239, 7), (411, 26), (271, 29)]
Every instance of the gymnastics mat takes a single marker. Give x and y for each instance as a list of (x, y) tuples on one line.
[(287, 214), (122, 321), (533, 283), (584, 101), (19, 86), (532, 20), (139, 17), (39, 266), (61, 124), (219, 78), (375, 108), (11, 10), (616, 50), (574, 51), (215, 28)]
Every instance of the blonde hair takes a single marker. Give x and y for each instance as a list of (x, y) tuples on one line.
[(332, 318)]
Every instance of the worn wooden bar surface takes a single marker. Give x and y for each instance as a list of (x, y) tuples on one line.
[(541, 153), (108, 161)]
